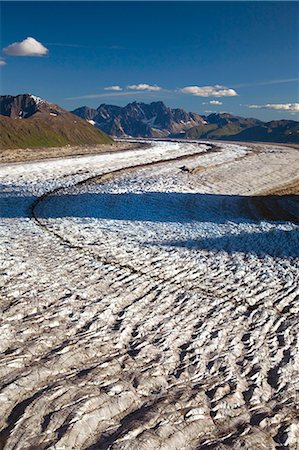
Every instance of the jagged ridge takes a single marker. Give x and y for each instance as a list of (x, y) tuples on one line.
[(157, 120), (140, 119)]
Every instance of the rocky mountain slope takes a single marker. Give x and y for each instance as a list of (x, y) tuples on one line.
[(140, 119), (157, 120), (28, 121)]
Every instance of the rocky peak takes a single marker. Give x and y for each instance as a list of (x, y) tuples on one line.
[(20, 106), (107, 111), (86, 113), (142, 119)]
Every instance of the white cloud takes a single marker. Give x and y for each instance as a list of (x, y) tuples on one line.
[(28, 47), (215, 102), (209, 91), (2, 62), (107, 95), (113, 88), (266, 83), (277, 106), (144, 87)]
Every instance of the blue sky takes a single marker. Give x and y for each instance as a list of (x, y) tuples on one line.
[(160, 50)]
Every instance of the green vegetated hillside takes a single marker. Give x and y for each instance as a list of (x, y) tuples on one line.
[(212, 131), (29, 123), (34, 133), (282, 131), (239, 130)]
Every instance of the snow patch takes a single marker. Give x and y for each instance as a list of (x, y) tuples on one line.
[(150, 122), (38, 100)]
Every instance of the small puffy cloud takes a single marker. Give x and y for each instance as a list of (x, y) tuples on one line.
[(113, 88), (2, 62), (144, 87), (278, 106), (215, 102), (209, 91), (28, 47)]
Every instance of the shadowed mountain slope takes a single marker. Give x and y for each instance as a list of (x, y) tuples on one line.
[(140, 119)]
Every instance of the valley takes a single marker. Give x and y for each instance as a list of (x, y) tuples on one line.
[(149, 225)]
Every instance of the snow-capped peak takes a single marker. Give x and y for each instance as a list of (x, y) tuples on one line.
[(37, 100)]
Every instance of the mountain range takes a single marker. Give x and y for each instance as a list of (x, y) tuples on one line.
[(140, 119), (27, 121), (156, 120)]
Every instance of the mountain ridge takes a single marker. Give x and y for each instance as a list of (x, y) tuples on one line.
[(140, 119), (156, 120)]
